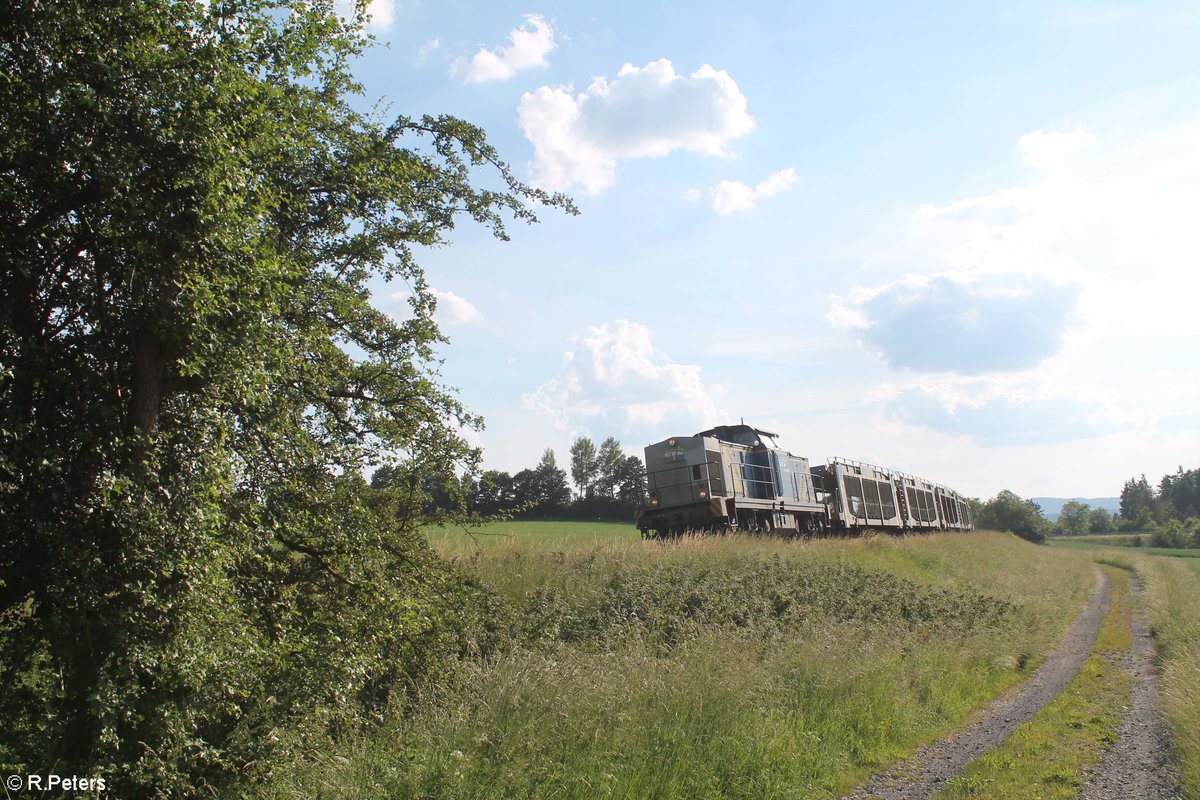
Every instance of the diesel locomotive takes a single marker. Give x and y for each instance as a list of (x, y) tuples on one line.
[(735, 478)]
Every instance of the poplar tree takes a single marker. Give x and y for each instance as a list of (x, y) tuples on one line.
[(584, 466)]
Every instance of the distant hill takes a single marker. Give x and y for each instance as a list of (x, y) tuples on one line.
[(1052, 506)]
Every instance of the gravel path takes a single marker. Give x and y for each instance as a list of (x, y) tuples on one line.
[(1142, 764), (928, 771)]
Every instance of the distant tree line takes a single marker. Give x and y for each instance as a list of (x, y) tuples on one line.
[(608, 485), (1170, 511), (1077, 517)]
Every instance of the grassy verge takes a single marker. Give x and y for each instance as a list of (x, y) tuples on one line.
[(1097, 543), (1049, 756), (1173, 607), (717, 668)]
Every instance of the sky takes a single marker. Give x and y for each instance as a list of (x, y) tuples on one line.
[(957, 239)]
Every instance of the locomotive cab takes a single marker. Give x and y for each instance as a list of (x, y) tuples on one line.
[(731, 477), (685, 478)]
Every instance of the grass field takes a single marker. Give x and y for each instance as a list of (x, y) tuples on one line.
[(1122, 541), (538, 534), (752, 667), (722, 667)]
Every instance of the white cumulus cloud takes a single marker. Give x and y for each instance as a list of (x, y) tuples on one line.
[(730, 197), (452, 309), (645, 112), (615, 373), (528, 47)]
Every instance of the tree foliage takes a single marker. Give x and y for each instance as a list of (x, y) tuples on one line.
[(193, 378), (1180, 493), (1100, 521), (1138, 502), (609, 462), (616, 486), (608, 483), (1074, 518), (584, 465), (1007, 511), (1146, 507)]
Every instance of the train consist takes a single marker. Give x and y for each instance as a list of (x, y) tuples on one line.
[(735, 478)]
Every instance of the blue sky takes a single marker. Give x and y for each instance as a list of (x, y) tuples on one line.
[(957, 239)]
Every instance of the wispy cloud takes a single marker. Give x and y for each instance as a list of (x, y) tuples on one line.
[(645, 112), (731, 197), (1051, 149), (1003, 413), (529, 45), (426, 49)]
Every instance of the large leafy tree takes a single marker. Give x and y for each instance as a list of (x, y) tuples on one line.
[(1074, 517), (1007, 511), (193, 378)]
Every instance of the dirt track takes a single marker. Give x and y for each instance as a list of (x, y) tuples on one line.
[(1141, 765), (927, 771)]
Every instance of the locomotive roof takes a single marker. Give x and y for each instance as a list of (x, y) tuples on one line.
[(737, 434)]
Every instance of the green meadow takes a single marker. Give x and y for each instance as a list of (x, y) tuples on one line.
[(725, 667), (1105, 541)]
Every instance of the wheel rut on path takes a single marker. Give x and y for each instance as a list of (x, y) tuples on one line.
[(1142, 763), (928, 771)]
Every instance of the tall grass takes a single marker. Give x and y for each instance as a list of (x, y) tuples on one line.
[(539, 534), (1172, 597), (731, 668)]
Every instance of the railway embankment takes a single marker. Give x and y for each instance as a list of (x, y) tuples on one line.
[(752, 667), (737, 667)]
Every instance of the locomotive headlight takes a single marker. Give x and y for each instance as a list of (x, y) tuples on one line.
[(653, 501), (672, 441), (703, 493)]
